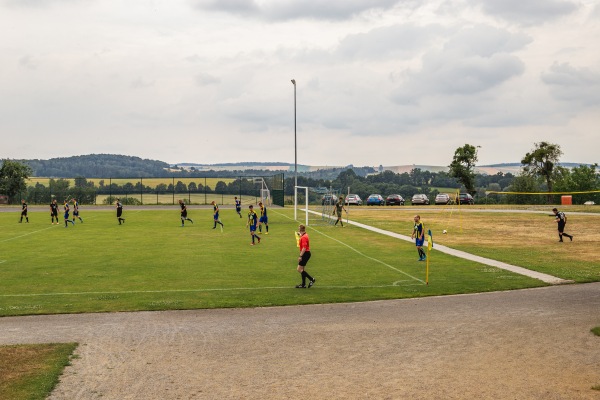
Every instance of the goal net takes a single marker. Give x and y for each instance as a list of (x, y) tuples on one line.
[(321, 214)]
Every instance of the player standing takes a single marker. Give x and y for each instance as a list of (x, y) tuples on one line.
[(419, 236), (263, 218), (252, 219), (216, 215), (66, 216), (76, 211), (53, 212), (120, 211), (184, 216), (24, 211), (337, 209), (238, 207), (561, 220), (303, 258)]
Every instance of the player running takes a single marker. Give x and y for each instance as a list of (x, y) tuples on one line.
[(66, 216), (184, 216), (252, 219), (561, 220), (216, 215), (76, 210), (419, 236), (303, 259), (263, 218), (53, 212), (238, 207)]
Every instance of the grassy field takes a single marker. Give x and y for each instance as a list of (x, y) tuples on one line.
[(31, 371), (152, 263), (528, 240)]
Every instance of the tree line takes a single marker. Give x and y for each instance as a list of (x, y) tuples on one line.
[(541, 172)]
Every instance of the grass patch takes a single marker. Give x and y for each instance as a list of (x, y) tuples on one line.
[(596, 331), (32, 371), (528, 240), (152, 263)]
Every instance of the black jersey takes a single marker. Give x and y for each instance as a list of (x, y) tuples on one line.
[(54, 208)]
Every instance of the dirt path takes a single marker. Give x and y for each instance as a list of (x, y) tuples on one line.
[(527, 344)]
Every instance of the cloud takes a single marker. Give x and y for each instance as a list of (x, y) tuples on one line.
[(391, 41), (296, 9), (203, 79), (28, 62), (530, 12), (573, 85), (472, 61)]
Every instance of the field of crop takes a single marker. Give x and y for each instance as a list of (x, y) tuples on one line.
[(152, 263), (150, 182)]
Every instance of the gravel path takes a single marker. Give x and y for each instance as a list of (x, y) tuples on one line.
[(526, 344)]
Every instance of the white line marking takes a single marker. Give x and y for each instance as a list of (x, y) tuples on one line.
[(199, 290), (362, 254), (369, 257), (27, 234), (468, 256)]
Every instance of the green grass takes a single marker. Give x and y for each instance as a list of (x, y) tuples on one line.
[(596, 331), (31, 371), (151, 263), (527, 240)]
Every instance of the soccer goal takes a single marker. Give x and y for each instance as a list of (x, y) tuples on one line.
[(317, 216), (265, 194)]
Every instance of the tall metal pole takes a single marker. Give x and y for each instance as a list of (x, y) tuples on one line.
[(295, 140)]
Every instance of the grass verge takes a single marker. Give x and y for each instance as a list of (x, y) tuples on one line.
[(32, 371)]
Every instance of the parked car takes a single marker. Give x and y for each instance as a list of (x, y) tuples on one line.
[(329, 199), (353, 199), (442, 198), (465, 198), (420, 199), (375, 200), (394, 199)]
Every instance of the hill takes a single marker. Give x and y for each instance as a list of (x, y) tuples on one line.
[(98, 166)]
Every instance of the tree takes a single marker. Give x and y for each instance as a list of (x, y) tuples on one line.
[(541, 162), (463, 165), (12, 178)]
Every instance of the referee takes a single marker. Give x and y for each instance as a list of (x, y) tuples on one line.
[(303, 258)]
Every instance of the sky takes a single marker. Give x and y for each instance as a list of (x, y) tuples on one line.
[(378, 82)]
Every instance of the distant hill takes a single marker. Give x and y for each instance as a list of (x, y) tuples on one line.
[(120, 166), (98, 166)]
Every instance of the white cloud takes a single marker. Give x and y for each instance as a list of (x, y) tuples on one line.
[(175, 80)]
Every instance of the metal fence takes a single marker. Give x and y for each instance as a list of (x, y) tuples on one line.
[(197, 190)]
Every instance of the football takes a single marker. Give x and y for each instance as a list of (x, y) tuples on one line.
[(444, 231)]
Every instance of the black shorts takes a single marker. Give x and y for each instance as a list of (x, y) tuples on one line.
[(561, 226), (304, 259), (184, 214), (119, 212)]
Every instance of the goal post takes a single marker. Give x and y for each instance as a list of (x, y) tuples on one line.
[(296, 203)]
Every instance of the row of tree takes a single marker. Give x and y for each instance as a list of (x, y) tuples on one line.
[(541, 172)]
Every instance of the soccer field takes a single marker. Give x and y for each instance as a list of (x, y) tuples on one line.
[(152, 263)]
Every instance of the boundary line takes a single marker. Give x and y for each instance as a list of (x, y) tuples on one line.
[(553, 280), (355, 250), (395, 284)]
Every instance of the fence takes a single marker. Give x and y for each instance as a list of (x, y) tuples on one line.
[(198, 190)]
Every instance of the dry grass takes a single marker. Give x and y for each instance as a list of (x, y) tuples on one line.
[(31, 371), (528, 239)]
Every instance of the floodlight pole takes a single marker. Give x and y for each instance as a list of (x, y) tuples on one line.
[(295, 140)]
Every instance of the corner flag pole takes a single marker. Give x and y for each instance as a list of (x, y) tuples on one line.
[(429, 246)]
